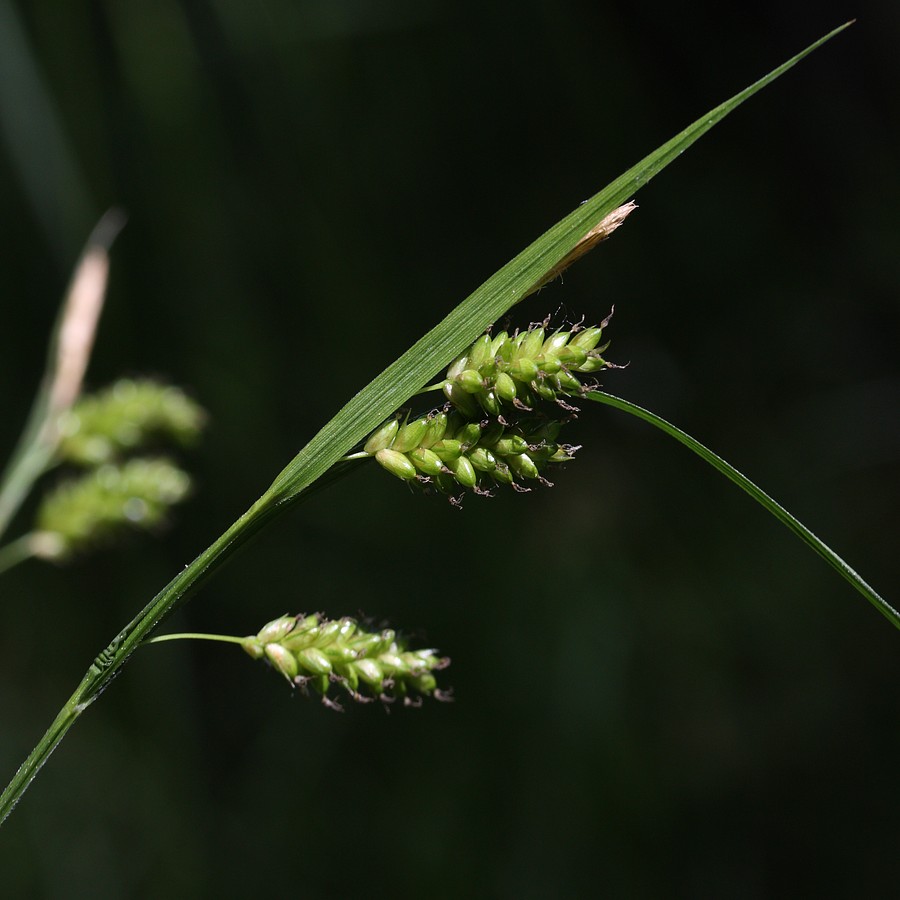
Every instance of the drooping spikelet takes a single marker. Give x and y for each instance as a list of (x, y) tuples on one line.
[(108, 500), (312, 651), (105, 426)]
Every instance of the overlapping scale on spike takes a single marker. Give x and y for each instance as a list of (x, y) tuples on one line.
[(524, 369), (315, 652)]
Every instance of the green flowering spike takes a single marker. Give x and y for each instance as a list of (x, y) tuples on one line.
[(396, 463), (109, 500), (318, 653), (382, 438), (105, 426)]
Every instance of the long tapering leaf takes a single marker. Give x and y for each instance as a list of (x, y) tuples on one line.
[(760, 496), (489, 302)]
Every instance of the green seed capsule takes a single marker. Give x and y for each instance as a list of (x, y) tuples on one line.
[(382, 438), (447, 449), (457, 366), (396, 463), (499, 344), (502, 473), (437, 428), (587, 339), (524, 370), (460, 399), (531, 345), (275, 630), (470, 381), (505, 387), (426, 461), (549, 365), (480, 352), (424, 682), (591, 364), (523, 466), (491, 434), (314, 661), (555, 343), (483, 460), (572, 356), (544, 390), (568, 383), (463, 471), (410, 435), (282, 659), (511, 445), (370, 672), (469, 434), (252, 647), (489, 402)]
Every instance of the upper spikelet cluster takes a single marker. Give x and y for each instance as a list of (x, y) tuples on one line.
[(312, 651), (523, 369), (493, 429)]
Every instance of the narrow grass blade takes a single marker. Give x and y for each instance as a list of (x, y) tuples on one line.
[(407, 375), (761, 497)]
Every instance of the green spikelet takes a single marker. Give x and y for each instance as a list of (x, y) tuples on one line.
[(109, 500), (105, 426), (315, 652), (521, 369)]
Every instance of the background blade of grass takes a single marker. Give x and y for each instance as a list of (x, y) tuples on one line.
[(761, 497), (438, 347)]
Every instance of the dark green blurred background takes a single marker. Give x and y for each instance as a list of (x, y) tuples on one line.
[(659, 691)]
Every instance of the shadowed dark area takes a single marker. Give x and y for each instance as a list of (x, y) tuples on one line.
[(659, 691)]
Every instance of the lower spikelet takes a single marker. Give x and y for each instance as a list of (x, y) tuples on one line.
[(315, 652)]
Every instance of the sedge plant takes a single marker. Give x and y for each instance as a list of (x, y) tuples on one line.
[(499, 419)]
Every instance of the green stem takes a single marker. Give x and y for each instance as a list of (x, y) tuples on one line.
[(195, 636), (16, 551), (114, 656), (761, 497)]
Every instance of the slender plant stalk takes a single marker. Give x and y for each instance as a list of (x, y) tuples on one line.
[(70, 349), (386, 393), (761, 497), (16, 551)]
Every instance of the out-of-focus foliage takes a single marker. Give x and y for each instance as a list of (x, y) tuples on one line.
[(667, 696)]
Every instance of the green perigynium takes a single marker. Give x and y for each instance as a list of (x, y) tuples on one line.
[(106, 501), (312, 651), (104, 426)]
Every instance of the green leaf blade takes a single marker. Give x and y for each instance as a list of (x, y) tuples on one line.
[(408, 374)]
